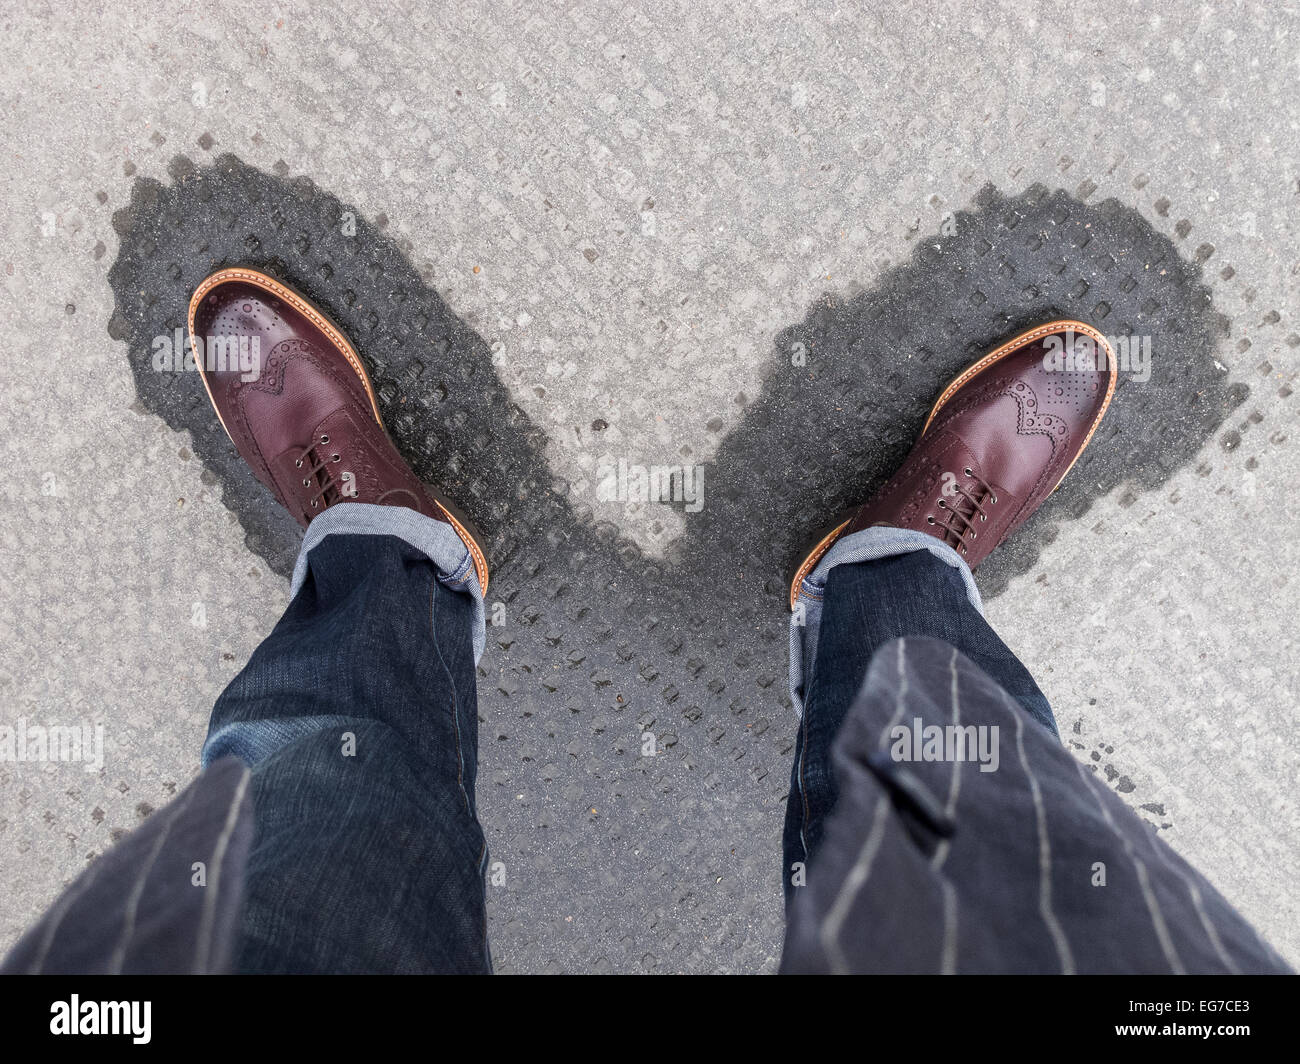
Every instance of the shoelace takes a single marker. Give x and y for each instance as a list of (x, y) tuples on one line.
[(320, 464), (958, 523), (322, 500)]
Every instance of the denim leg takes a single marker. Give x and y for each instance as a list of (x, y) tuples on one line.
[(358, 718), (864, 605)]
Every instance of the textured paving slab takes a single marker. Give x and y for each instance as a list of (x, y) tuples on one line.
[(584, 238)]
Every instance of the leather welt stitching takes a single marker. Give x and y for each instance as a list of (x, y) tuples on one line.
[(480, 563), (812, 559), (1012, 346)]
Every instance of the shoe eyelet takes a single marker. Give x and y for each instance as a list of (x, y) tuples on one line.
[(942, 505), (963, 550), (324, 439), (995, 498), (930, 518), (973, 534), (298, 464), (306, 483), (984, 517), (968, 472), (335, 457), (313, 504)]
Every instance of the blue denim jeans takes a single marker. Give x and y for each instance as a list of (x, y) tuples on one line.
[(354, 837), (862, 595), (358, 716)]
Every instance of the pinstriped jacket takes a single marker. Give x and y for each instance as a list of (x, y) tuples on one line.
[(933, 862), (164, 900)]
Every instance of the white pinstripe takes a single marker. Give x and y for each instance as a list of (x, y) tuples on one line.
[(948, 957), (861, 871), (1044, 847), (133, 900), (900, 700), (941, 851), (851, 887), (1144, 881), (203, 944), (829, 932), (948, 951), (1211, 932), (57, 915)]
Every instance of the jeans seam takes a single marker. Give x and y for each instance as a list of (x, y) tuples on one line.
[(482, 872), (803, 760), (455, 696), (803, 793)]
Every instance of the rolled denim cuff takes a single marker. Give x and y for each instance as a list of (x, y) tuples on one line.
[(436, 540), (869, 544)]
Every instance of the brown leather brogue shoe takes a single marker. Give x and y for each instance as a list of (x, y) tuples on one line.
[(1000, 439), (295, 400)]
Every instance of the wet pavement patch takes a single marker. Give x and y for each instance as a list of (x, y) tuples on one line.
[(853, 382), (601, 644)]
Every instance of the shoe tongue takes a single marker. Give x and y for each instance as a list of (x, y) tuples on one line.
[(335, 434), (961, 503)]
